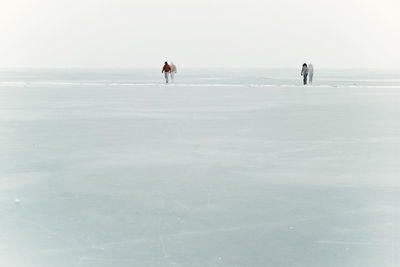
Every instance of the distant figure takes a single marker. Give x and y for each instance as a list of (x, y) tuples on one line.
[(304, 73), (166, 70), (173, 71), (310, 73)]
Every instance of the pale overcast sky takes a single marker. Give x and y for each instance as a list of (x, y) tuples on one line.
[(216, 33)]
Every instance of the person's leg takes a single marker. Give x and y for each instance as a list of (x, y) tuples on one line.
[(166, 77), (172, 76), (305, 79), (310, 78)]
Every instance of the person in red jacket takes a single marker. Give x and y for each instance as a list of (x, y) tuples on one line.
[(166, 70)]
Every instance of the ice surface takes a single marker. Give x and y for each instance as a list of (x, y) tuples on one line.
[(143, 174)]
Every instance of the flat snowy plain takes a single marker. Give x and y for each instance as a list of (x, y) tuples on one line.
[(102, 168)]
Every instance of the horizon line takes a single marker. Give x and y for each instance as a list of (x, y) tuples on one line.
[(193, 67)]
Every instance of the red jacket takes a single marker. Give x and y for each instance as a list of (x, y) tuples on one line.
[(166, 68)]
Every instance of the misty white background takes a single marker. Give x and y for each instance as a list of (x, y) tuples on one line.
[(223, 33)]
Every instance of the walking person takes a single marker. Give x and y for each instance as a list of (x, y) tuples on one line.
[(173, 71), (310, 73), (166, 70), (304, 73)]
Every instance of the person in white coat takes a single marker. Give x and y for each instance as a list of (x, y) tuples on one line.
[(173, 71), (310, 73)]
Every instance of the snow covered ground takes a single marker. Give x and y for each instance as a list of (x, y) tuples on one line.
[(103, 168)]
